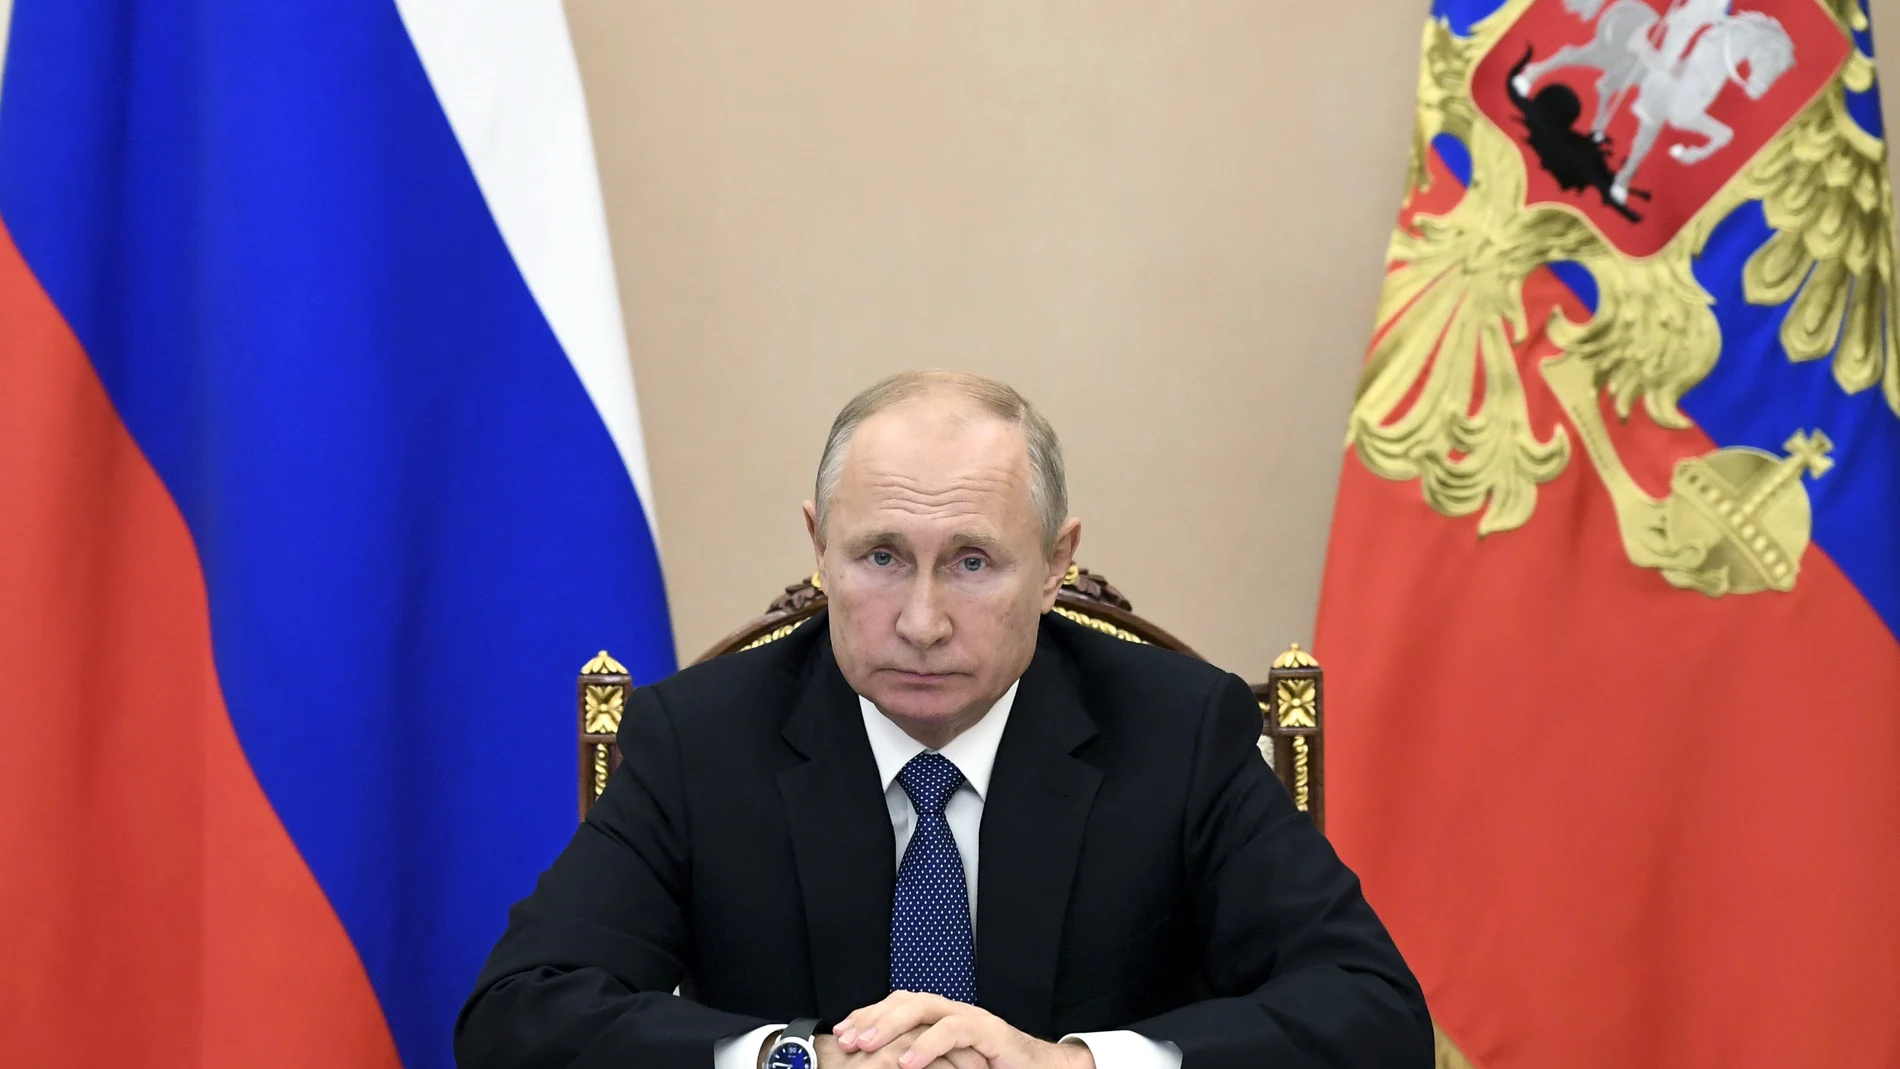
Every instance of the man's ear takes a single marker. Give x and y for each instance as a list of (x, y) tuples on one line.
[(817, 536), (1060, 558)]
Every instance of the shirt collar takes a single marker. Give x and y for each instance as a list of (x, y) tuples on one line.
[(973, 752)]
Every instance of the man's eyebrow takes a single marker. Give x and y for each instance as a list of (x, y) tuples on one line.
[(866, 542), (973, 540)]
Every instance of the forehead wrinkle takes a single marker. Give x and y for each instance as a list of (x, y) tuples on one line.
[(928, 508), (909, 486), (953, 503)]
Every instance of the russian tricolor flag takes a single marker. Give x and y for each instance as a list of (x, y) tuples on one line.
[(320, 475)]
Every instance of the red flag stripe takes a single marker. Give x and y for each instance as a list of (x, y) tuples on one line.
[(154, 912)]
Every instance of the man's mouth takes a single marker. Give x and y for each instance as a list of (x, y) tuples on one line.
[(919, 677)]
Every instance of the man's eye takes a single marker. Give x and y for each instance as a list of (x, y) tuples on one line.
[(971, 564), (882, 558)]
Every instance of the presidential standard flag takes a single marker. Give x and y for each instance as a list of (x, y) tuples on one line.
[(320, 476), (1610, 612)]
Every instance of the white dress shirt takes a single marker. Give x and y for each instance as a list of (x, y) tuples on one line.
[(974, 754)]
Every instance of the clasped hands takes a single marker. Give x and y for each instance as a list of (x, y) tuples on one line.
[(918, 1031)]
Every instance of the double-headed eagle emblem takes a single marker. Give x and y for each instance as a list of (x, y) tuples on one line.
[(1615, 137)]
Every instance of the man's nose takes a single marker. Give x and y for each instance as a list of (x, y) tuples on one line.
[(921, 620)]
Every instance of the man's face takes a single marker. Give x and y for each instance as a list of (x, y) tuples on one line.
[(933, 564)]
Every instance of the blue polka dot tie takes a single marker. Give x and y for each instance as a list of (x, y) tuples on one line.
[(931, 945)]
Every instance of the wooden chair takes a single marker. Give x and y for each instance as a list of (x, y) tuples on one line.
[(1292, 700)]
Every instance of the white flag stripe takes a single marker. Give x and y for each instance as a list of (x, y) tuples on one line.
[(505, 74), (6, 23)]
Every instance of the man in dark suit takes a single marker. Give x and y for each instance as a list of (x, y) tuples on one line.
[(957, 830)]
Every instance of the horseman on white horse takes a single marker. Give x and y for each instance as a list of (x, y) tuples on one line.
[(1676, 75), (1680, 25)]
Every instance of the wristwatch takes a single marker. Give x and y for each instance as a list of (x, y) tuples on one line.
[(794, 1049)]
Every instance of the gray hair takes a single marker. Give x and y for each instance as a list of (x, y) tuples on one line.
[(1048, 484)]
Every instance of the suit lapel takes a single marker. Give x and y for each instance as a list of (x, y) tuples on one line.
[(1033, 820), (841, 840)]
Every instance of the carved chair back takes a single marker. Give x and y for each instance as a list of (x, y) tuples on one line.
[(1292, 700)]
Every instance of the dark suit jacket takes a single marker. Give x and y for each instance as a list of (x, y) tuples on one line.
[(1141, 869)]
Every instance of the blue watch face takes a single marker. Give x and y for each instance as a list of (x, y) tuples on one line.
[(789, 1056)]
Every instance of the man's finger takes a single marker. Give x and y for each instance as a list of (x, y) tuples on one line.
[(964, 1058), (875, 1026), (862, 1022), (857, 1020), (953, 1031)]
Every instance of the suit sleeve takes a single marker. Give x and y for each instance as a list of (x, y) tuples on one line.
[(1301, 972), (584, 975)]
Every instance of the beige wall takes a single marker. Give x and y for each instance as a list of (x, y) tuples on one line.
[(1163, 220)]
